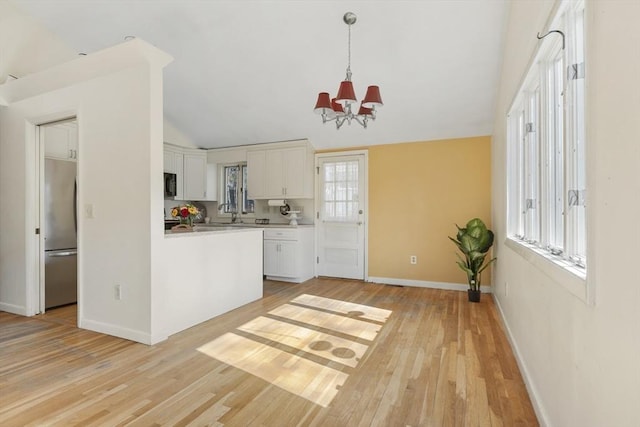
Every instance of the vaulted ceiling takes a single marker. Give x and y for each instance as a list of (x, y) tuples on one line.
[(249, 71)]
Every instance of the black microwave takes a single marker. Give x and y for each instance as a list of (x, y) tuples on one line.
[(170, 184)]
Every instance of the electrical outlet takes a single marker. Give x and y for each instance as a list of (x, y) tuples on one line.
[(413, 259), (117, 292)]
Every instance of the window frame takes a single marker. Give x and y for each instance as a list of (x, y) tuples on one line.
[(546, 134), (241, 191)]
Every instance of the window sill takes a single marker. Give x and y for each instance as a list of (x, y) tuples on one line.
[(572, 278)]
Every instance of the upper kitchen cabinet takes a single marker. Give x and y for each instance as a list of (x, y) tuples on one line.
[(281, 170), (190, 167), (61, 140), (195, 175), (169, 160)]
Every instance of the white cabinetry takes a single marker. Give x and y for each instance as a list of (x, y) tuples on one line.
[(174, 163), (212, 182), (191, 169), (195, 175), (288, 254), (284, 170), (61, 141), (169, 161), (256, 164)]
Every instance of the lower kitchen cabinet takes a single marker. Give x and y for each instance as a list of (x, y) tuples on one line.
[(288, 254)]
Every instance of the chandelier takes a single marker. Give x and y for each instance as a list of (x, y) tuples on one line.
[(339, 108)]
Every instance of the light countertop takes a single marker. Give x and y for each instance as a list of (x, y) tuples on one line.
[(251, 225), (218, 228)]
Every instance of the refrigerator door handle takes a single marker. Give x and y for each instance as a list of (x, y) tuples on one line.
[(75, 205), (66, 253)]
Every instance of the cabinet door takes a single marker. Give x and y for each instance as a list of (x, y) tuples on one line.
[(169, 161), (274, 176), (288, 259), (271, 258), (56, 143), (212, 182), (256, 168), (281, 258), (178, 159), (294, 171), (195, 176)]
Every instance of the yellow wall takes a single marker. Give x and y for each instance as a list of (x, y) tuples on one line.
[(417, 192)]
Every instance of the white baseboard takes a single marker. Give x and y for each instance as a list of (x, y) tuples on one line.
[(543, 419), (425, 284), (120, 332), (14, 309)]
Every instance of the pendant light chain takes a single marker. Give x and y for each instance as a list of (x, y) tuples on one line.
[(349, 55)]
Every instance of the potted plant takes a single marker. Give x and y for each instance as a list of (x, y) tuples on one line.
[(474, 241)]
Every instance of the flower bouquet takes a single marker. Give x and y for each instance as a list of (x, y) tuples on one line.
[(186, 214)]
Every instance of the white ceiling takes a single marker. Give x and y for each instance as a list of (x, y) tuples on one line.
[(248, 72)]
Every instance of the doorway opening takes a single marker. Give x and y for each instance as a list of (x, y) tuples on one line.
[(57, 155)]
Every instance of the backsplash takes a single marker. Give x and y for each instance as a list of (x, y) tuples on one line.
[(262, 210)]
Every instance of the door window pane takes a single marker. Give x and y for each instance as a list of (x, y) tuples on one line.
[(341, 191)]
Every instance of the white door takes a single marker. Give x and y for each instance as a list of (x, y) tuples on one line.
[(341, 216)]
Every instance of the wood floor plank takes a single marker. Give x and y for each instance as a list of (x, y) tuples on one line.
[(404, 356)]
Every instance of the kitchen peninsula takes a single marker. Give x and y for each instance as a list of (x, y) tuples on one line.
[(208, 273)]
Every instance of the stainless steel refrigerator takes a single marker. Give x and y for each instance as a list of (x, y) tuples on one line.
[(60, 241)]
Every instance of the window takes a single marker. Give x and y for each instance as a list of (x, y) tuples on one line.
[(234, 200), (341, 193), (546, 146)]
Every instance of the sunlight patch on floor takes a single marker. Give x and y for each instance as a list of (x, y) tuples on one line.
[(341, 324), (302, 373), (347, 308), (328, 346)]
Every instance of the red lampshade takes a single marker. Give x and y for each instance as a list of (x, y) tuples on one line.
[(372, 98), (364, 111), (346, 94), (323, 105), (337, 108)]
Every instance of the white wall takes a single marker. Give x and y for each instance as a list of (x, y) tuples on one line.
[(581, 362), (20, 33), (120, 173), (202, 275)]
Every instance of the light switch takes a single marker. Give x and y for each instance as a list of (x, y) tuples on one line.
[(88, 211)]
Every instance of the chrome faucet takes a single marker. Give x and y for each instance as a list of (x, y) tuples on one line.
[(234, 214)]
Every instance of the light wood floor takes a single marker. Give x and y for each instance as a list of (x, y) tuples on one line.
[(325, 353)]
